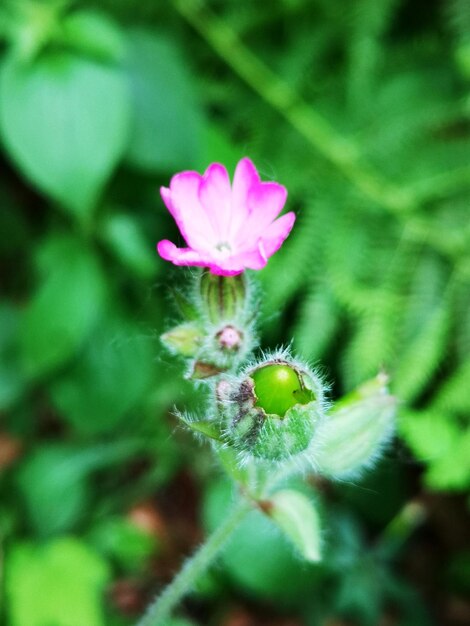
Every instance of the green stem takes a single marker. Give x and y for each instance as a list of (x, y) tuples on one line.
[(160, 610)]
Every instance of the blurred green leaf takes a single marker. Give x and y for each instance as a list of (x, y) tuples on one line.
[(53, 481), (167, 121), (64, 121), (114, 371), (58, 584), (438, 440), (53, 488), (258, 557), (421, 358), (297, 517), (122, 540), (94, 34), (184, 339), (361, 592), (64, 309), (125, 238)]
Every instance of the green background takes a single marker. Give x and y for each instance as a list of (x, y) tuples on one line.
[(361, 109)]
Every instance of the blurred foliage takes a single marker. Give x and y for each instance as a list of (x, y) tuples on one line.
[(362, 110)]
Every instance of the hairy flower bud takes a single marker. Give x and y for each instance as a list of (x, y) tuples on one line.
[(223, 297), (272, 411), (229, 338)]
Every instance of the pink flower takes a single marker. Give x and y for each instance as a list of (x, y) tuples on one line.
[(227, 228)]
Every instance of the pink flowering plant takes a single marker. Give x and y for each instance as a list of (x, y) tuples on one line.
[(227, 228), (268, 417)]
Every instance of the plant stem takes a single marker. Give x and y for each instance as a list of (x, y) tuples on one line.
[(160, 609)]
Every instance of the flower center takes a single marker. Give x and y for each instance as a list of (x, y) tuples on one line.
[(224, 248)]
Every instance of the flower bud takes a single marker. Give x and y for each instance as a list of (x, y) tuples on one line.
[(273, 410), (225, 346), (229, 338), (223, 297)]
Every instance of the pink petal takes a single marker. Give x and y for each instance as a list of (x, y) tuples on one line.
[(194, 223), (177, 216), (215, 197), (244, 179), (277, 232), (180, 256), (266, 201)]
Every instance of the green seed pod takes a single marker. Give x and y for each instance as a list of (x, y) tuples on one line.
[(273, 410)]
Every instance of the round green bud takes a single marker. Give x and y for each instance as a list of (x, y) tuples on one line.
[(278, 388)]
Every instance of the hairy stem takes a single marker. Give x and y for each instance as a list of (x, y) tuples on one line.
[(160, 609)]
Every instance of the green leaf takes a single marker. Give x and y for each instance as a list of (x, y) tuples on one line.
[(128, 544), (64, 121), (438, 440), (354, 431), (53, 481), (317, 323), (64, 309), (453, 395), (167, 122), (258, 557), (94, 34), (429, 434), (60, 583), (111, 376), (125, 238), (208, 428), (422, 356), (296, 516), (184, 339), (452, 470), (53, 489)]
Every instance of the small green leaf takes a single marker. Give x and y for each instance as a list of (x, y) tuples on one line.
[(296, 516), (64, 121), (167, 122), (122, 540), (64, 309), (53, 489), (208, 428), (71, 579), (125, 238), (355, 430), (184, 339)]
